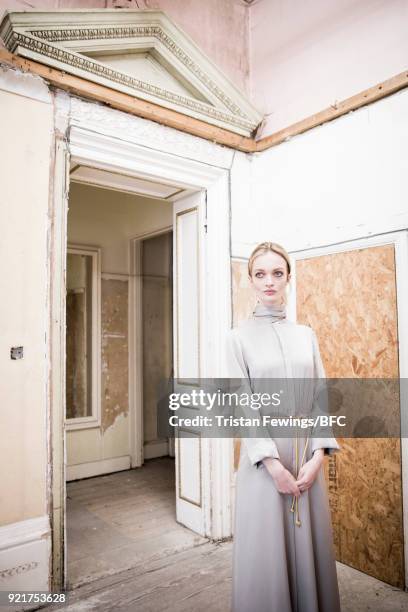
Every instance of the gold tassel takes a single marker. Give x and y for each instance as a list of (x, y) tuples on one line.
[(295, 505)]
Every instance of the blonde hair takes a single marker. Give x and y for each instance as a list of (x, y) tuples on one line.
[(263, 248)]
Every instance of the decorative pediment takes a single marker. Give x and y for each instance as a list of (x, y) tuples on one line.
[(139, 52)]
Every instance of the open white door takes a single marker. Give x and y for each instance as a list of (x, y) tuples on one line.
[(188, 237)]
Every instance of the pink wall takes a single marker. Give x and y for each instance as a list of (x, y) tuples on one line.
[(307, 54), (302, 55), (220, 28)]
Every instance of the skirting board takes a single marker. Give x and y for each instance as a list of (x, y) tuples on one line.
[(97, 468), (156, 449), (25, 549)]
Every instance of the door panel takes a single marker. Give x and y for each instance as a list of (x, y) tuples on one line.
[(349, 299), (188, 239)]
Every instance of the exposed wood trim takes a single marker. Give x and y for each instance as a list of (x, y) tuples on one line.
[(363, 98), (129, 104), (196, 127)]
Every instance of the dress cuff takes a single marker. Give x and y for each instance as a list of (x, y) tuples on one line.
[(329, 445), (330, 451), (259, 448)]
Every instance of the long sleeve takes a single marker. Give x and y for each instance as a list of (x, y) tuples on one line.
[(257, 448), (329, 444)]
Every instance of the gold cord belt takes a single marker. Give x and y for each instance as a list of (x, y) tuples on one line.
[(295, 507)]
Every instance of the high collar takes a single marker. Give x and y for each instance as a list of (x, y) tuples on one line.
[(272, 313)]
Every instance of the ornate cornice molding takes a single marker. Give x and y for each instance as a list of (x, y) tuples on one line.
[(53, 38), (112, 122)]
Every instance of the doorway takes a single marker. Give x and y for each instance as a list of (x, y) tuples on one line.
[(119, 511), (200, 223)]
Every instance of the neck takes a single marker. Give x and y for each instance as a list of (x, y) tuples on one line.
[(275, 312)]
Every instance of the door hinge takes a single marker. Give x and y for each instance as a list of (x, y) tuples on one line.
[(205, 211)]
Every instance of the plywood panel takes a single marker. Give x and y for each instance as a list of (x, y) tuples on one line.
[(243, 297), (349, 299)]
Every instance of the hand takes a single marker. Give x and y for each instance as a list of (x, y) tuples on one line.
[(309, 471), (284, 481)]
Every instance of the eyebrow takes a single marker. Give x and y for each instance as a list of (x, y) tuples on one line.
[(262, 270)]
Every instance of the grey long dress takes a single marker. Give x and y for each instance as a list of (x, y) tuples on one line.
[(278, 565)]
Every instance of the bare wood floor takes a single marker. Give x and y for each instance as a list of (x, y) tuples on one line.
[(127, 520), (118, 521)]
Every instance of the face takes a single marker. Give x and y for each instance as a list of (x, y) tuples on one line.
[(269, 278)]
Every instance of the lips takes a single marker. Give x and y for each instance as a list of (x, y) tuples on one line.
[(271, 292)]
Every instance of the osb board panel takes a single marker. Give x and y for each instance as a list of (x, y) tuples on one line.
[(115, 374), (349, 299), (243, 296)]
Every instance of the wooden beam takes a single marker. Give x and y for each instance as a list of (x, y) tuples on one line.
[(196, 127), (129, 104), (367, 96)]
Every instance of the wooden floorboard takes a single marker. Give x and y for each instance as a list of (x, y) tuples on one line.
[(117, 521), (112, 524), (198, 576), (199, 579)]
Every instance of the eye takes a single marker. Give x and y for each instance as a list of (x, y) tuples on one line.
[(279, 272), (257, 274)]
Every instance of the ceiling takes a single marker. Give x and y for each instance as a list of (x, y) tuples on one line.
[(141, 186)]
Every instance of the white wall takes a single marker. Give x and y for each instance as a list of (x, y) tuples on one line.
[(108, 219), (343, 180), (26, 128), (306, 55), (26, 132)]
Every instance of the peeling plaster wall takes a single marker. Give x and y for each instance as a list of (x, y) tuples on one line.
[(26, 127), (115, 346), (109, 219)]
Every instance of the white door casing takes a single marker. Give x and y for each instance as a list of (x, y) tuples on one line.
[(192, 498), (117, 149)]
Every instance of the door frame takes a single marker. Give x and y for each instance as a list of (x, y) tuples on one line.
[(136, 344), (399, 239), (87, 145)]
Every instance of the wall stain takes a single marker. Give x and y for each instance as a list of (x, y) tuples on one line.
[(115, 370)]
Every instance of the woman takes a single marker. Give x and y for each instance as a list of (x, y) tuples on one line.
[(283, 557)]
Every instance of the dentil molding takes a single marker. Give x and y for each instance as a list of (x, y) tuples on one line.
[(139, 52)]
